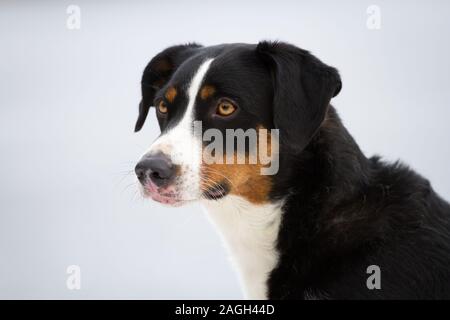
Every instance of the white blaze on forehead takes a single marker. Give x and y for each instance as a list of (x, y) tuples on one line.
[(179, 143), (194, 88), (183, 132)]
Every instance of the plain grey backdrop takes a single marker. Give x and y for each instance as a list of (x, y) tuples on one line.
[(68, 103)]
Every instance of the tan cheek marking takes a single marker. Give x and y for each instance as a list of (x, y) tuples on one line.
[(207, 91), (244, 180), (171, 94)]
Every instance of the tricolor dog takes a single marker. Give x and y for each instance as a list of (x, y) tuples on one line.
[(327, 214)]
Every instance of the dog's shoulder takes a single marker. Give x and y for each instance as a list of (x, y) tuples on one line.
[(390, 218)]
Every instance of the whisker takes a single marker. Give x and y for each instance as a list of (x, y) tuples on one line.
[(209, 170)]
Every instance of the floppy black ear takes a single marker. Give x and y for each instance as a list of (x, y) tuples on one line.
[(303, 88), (157, 73)]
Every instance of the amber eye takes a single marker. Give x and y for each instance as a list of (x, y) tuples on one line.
[(162, 107), (225, 108)]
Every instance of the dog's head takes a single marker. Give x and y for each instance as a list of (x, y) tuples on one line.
[(205, 96)]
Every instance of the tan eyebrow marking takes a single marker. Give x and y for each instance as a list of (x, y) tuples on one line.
[(171, 94), (207, 91)]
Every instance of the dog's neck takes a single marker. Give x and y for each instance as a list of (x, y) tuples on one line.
[(249, 232)]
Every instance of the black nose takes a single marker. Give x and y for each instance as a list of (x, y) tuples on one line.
[(158, 168)]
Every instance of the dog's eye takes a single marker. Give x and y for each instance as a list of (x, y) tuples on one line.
[(225, 108), (162, 107)]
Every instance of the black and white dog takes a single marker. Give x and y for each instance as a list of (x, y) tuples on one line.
[(311, 230)]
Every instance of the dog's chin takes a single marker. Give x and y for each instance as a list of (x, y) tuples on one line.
[(171, 199)]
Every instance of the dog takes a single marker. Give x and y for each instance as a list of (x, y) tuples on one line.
[(317, 227)]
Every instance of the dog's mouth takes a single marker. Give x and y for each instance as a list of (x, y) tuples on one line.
[(168, 196), (217, 191), (168, 199)]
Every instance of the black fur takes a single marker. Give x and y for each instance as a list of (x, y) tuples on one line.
[(342, 211), (303, 87), (346, 212), (157, 73)]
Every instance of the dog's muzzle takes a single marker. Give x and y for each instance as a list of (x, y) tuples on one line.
[(157, 175), (156, 169)]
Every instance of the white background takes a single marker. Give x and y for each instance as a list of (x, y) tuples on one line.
[(68, 103)]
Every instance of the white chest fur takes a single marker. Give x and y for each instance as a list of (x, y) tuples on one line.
[(250, 233)]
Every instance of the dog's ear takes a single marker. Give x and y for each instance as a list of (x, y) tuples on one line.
[(158, 72), (303, 87)]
